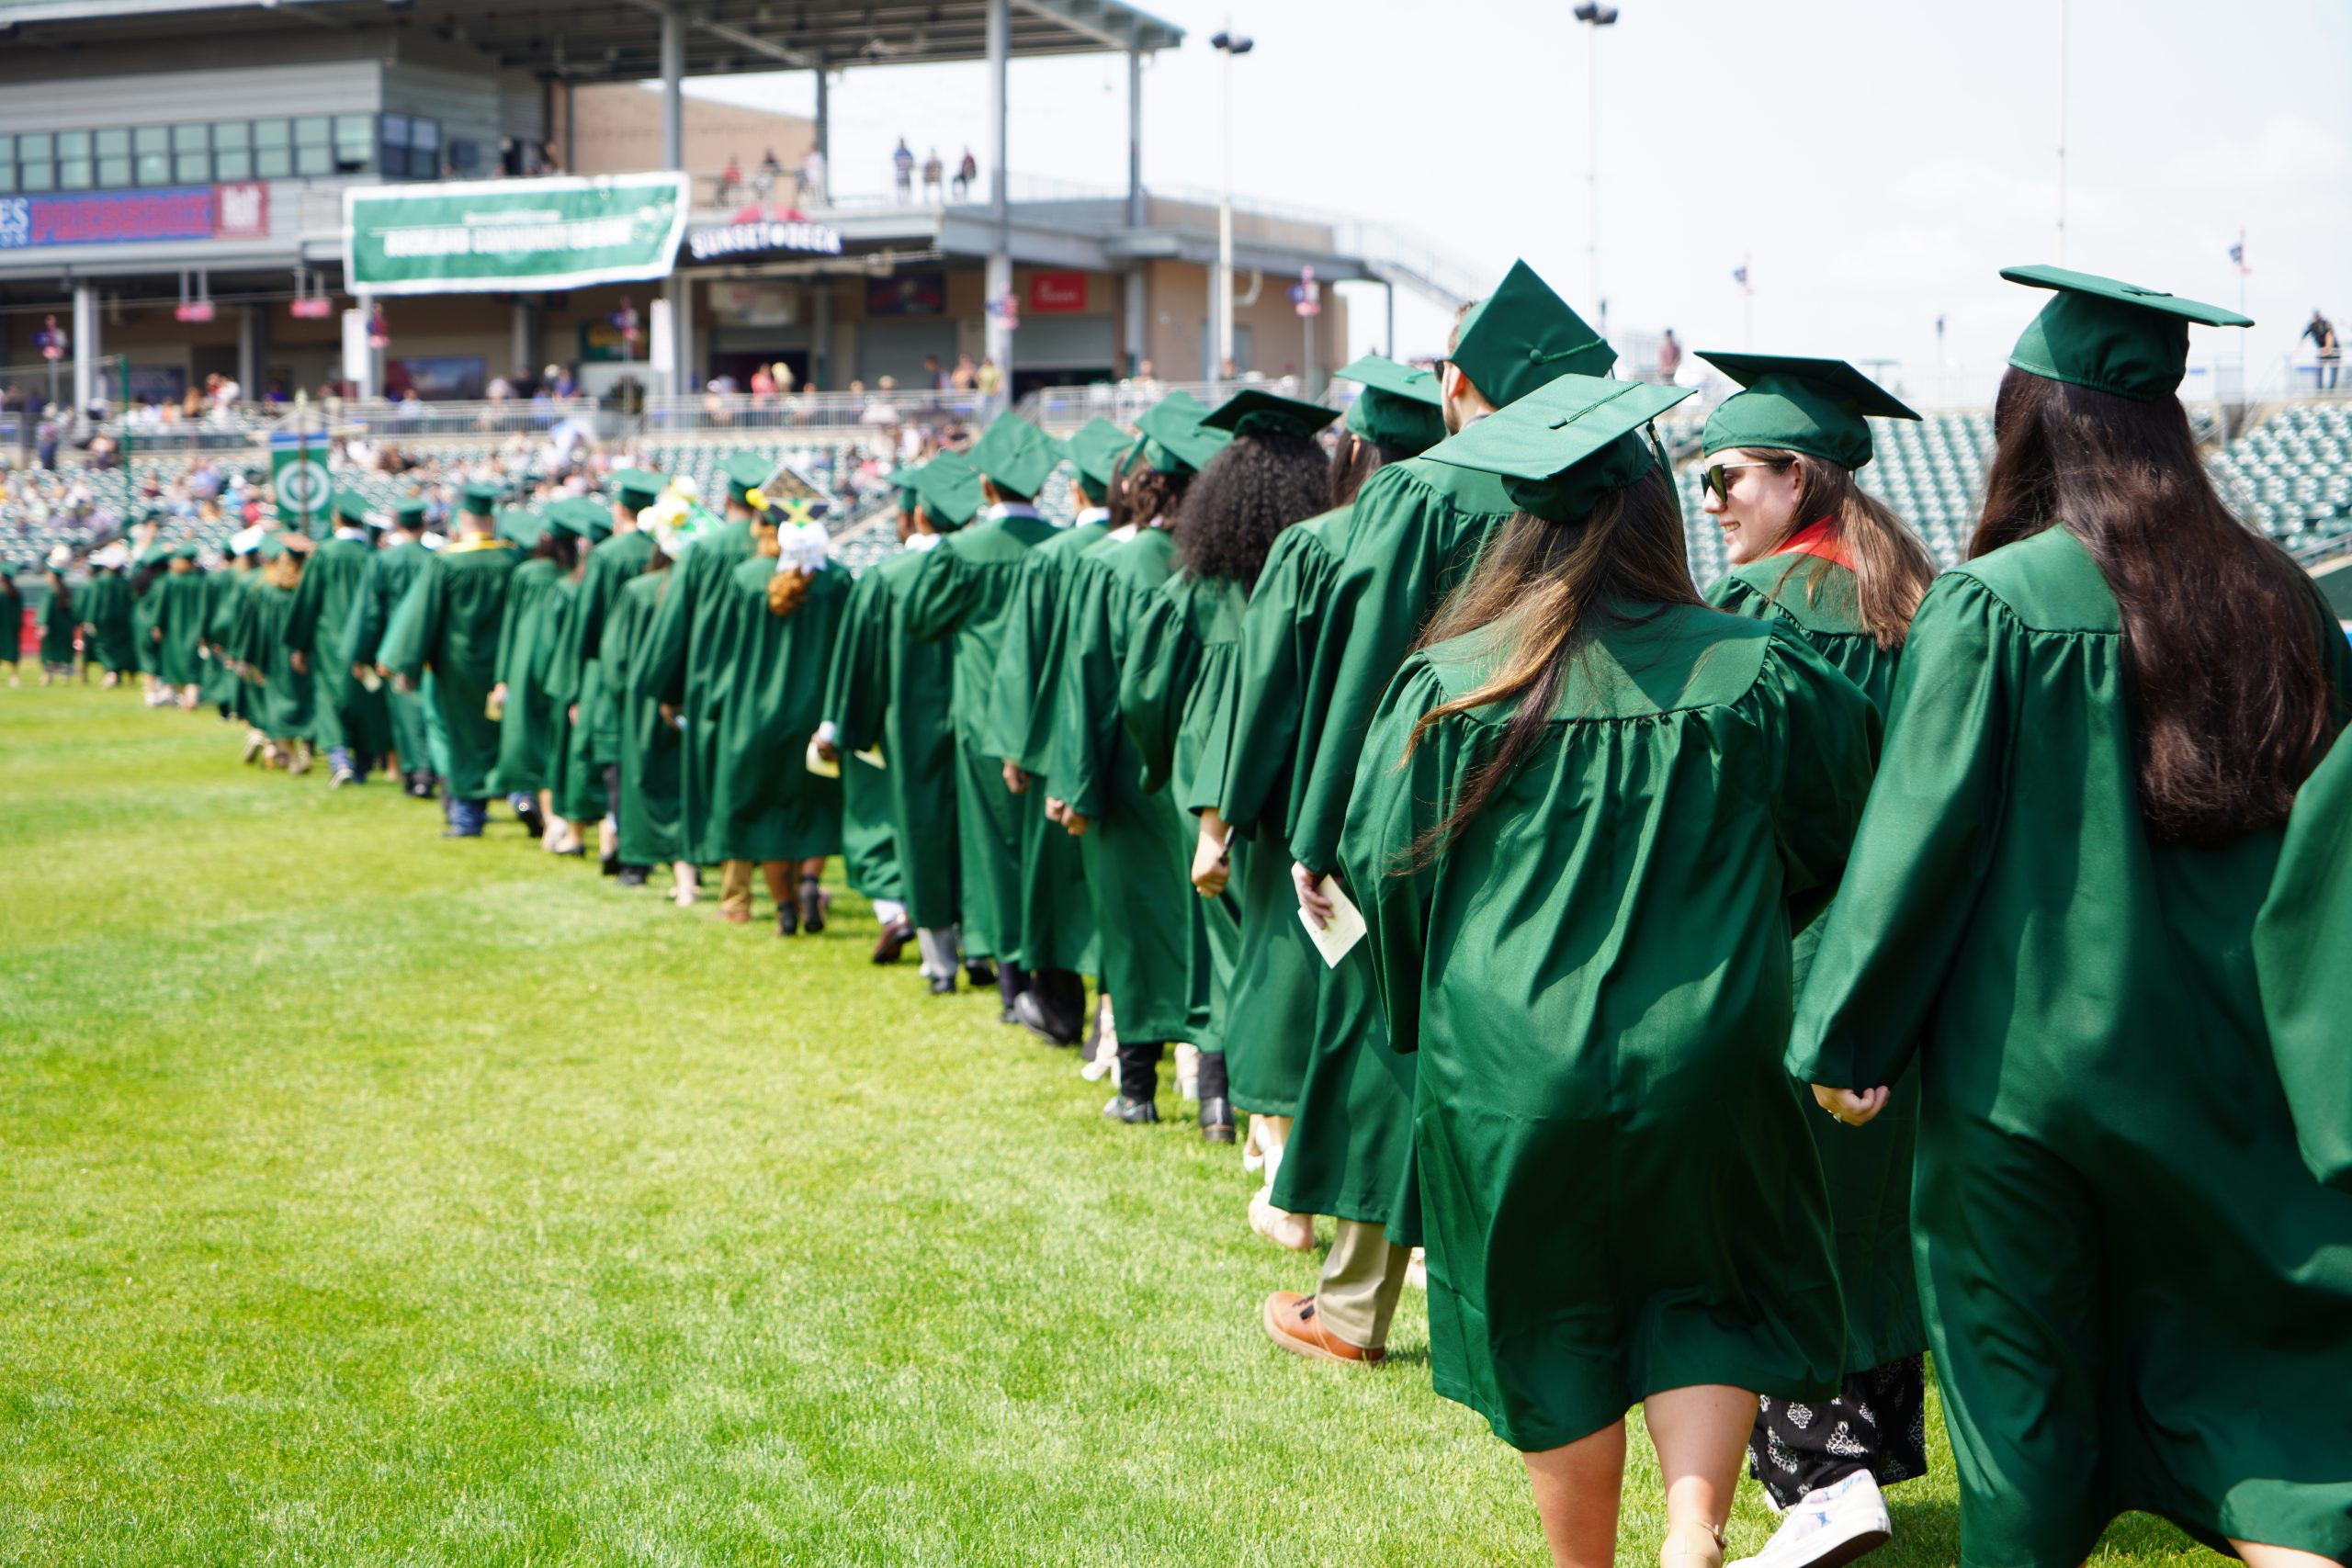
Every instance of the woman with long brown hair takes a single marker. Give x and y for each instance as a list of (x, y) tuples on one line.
[(2137, 1295), (1588, 802), (1814, 554)]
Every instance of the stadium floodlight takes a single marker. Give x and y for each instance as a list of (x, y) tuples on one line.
[(1228, 44), (1595, 17)]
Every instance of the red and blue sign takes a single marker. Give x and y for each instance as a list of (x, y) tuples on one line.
[(107, 218)]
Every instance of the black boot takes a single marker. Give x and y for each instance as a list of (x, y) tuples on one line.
[(1010, 981), (1058, 1003), (812, 906), (1138, 1083), (1216, 1107), (788, 917), (979, 974), (612, 865), (631, 877)]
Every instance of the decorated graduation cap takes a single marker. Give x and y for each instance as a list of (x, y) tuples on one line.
[(1522, 336), (349, 507), (1818, 407), (1399, 406), (482, 499), (1174, 439), (1254, 411), (746, 472), (2113, 337), (521, 525), (1015, 454), (949, 488), (1563, 447), (637, 489), (1094, 451)]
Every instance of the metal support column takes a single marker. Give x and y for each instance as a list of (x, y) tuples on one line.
[(999, 284), (1389, 337), (673, 101), (1136, 288), (524, 336), (820, 336), (680, 292), (1135, 140), (825, 128), (85, 347), (252, 351)]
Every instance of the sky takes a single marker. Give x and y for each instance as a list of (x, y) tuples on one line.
[(1873, 162)]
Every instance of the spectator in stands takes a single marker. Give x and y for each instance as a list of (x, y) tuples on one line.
[(764, 179), (966, 375), (812, 177), (987, 380), (902, 172), (933, 174), (781, 375), (731, 180), (45, 436), (1670, 356), (933, 376), (2322, 332), (967, 172), (762, 382)]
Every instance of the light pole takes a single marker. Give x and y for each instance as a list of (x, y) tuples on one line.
[(1594, 16), (1228, 44), (2061, 132)]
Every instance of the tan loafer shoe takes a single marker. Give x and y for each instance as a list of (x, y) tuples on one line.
[(1292, 1324)]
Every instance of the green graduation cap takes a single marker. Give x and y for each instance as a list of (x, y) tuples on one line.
[(1095, 450), (903, 481), (1015, 454), (349, 507), (1175, 441), (1563, 447), (185, 550), (2113, 337), (520, 525), (1818, 407), (745, 472), (949, 488), (1398, 407), (1522, 335), (482, 500), (587, 517), (1252, 411), (273, 545), (557, 520), (638, 489), (409, 512)]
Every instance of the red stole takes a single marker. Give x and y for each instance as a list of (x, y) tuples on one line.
[(1824, 538)]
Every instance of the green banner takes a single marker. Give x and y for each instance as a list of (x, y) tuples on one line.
[(487, 235), (300, 479)]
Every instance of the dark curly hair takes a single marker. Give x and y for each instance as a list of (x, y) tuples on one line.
[(1253, 490), (1147, 495)]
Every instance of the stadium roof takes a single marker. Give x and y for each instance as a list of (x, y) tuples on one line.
[(619, 40)]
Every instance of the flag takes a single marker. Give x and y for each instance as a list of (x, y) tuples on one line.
[(1740, 275), (2237, 253)]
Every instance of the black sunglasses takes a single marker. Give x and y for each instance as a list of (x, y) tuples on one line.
[(1712, 478)]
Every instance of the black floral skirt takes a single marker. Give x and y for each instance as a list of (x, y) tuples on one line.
[(1878, 1423)]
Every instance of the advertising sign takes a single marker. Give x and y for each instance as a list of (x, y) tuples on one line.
[(762, 236), (493, 235), (106, 218), (1057, 292)]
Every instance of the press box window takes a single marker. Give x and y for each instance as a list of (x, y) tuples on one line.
[(233, 149), (192, 154), (75, 169), (114, 158), (313, 145), (151, 154), (273, 149)]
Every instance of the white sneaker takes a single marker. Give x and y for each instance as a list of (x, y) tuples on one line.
[(1828, 1527)]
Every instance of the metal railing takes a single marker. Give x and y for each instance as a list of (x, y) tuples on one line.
[(1061, 409), (813, 411)]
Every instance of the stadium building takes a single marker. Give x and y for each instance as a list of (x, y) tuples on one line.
[(173, 176)]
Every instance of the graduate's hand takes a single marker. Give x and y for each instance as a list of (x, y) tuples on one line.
[(1319, 910), (1055, 810), (1211, 867), (402, 683), (1077, 822), (669, 715), (571, 716), (828, 752), (359, 673), (299, 661), (156, 635), (1853, 1107), (1015, 778)]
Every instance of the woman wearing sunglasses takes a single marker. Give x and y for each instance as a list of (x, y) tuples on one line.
[(2138, 1295), (1812, 553), (1587, 808)]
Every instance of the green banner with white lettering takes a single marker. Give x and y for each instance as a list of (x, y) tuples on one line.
[(486, 235)]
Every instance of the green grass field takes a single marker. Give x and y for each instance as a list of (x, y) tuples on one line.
[(366, 1198)]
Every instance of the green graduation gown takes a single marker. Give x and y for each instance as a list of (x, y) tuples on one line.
[(528, 625), (1179, 668), (11, 622), (1057, 908), (2298, 947), (1350, 1153), (218, 682), (1617, 1189), (963, 591), (648, 747), (146, 604), (900, 695), (1140, 845), (449, 624), (105, 607), (2137, 1296), (869, 842), (1868, 1169), (349, 715), (391, 571), (57, 623), (231, 630), (577, 678), (765, 803), (179, 616), (287, 699), (686, 665)]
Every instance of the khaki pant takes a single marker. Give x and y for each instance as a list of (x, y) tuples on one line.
[(1362, 1277), (735, 885)]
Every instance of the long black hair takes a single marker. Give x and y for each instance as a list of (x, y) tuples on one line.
[(2232, 704), (1257, 487)]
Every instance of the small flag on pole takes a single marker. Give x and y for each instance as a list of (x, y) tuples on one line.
[(2237, 253), (1740, 275)]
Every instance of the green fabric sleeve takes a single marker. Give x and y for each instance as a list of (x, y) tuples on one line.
[(1163, 661), (1395, 806), (1086, 707)]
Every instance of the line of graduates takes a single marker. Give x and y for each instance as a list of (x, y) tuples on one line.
[(1736, 994)]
